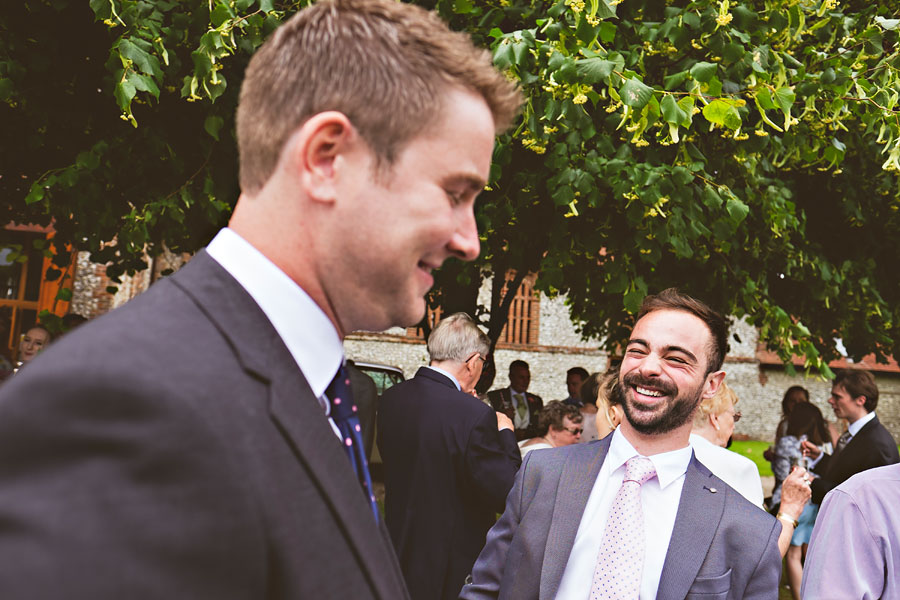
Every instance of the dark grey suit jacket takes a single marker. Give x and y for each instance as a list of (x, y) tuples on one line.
[(173, 449), (722, 546)]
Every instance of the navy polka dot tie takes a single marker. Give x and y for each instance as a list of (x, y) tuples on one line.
[(344, 414)]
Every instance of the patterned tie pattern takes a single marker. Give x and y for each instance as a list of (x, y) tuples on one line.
[(522, 406), (343, 413), (621, 557), (842, 442)]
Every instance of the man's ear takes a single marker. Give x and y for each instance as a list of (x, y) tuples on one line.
[(317, 151), (713, 381)]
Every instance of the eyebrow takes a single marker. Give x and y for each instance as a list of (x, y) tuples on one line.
[(684, 351), (474, 183)]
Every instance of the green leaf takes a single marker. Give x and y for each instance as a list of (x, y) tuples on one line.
[(784, 97), (704, 71), (737, 210), (462, 7), (64, 294), (212, 125), (35, 194), (267, 5), (635, 93), (670, 82), (585, 31), (671, 112), (6, 89), (220, 14), (124, 93), (140, 58), (143, 83), (632, 300), (503, 55), (87, 160), (594, 70), (607, 32), (764, 96), (520, 52), (722, 112)]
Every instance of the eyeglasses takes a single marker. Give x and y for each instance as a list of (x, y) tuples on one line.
[(574, 431), (476, 355)]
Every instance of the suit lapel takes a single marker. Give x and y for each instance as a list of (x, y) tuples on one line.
[(699, 509), (573, 490), (293, 408)]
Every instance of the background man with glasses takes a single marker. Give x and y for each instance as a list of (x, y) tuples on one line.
[(449, 462)]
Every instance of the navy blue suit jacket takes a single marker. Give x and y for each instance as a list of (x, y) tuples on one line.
[(447, 472)]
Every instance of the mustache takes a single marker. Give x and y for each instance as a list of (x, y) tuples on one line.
[(666, 387)]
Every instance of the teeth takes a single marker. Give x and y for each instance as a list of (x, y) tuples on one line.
[(645, 392)]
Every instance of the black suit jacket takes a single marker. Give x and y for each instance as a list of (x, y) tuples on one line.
[(872, 446), (447, 473), (501, 401), (173, 449)]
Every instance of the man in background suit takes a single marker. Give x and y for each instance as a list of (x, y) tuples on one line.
[(515, 401), (187, 445), (449, 462), (865, 445), (576, 526)]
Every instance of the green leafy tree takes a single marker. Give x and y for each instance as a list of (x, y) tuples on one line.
[(746, 152)]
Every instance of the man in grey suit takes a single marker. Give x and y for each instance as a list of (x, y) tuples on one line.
[(573, 515), (185, 445)]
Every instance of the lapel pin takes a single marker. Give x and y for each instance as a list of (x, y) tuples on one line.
[(712, 490)]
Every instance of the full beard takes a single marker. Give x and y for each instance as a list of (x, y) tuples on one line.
[(658, 419)]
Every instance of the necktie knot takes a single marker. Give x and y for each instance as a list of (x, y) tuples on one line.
[(639, 469)]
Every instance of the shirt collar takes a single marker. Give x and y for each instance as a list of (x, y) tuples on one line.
[(858, 424), (304, 328), (447, 374), (669, 465)]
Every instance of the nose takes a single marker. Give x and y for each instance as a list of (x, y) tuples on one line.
[(650, 365), (464, 243)]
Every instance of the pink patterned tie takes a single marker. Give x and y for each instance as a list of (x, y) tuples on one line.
[(621, 557)]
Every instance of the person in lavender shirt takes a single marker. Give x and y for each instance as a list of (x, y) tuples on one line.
[(855, 547)]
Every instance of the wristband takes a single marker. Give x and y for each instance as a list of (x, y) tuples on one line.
[(787, 519)]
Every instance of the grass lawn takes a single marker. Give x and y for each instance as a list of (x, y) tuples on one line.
[(753, 450)]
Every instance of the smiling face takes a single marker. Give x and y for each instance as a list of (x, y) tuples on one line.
[(32, 343), (398, 223), (663, 373), (519, 378)]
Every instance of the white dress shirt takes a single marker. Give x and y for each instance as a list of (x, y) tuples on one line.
[(659, 500), (739, 472), (446, 374), (304, 328)]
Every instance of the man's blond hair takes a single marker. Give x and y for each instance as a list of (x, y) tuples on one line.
[(385, 65)]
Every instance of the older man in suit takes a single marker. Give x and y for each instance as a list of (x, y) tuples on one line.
[(200, 442), (449, 462), (635, 514), (517, 403), (866, 444)]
